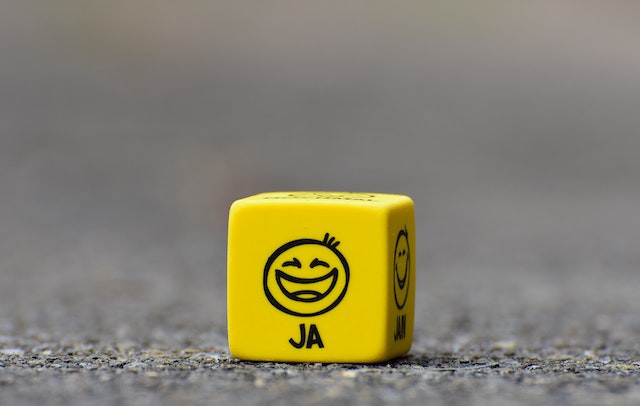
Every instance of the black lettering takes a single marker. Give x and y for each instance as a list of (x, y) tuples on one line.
[(401, 328), (302, 337), (314, 337), (311, 340)]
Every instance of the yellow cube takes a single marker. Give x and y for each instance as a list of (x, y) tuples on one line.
[(321, 277)]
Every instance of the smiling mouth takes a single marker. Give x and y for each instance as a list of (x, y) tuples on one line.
[(306, 289), (402, 281)]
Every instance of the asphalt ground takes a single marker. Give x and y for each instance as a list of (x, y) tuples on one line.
[(126, 131)]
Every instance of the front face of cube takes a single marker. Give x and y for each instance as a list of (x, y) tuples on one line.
[(321, 277)]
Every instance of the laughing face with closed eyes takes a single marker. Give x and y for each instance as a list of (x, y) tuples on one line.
[(306, 277)]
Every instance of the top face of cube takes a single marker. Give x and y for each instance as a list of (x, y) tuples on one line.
[(334, 198), (321, 276)]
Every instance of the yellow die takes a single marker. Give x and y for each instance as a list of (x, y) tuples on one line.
[(321, 277)]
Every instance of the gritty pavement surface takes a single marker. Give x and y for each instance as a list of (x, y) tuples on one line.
[(165, 377), (128, 128), (511, 348)]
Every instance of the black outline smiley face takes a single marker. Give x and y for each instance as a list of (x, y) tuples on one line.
[(288, 286), (401, 255)]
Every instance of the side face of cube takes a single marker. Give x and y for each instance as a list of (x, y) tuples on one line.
[(402, 284), (311, 277)]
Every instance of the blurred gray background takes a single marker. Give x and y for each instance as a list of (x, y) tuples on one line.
[(128, 128)]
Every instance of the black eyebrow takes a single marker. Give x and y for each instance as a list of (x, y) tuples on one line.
[(295, 262), (317, 262)]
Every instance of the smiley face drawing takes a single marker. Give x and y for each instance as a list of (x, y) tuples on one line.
[(401, 269), (306, 277)]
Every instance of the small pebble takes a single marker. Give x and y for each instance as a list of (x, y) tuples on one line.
[(507, 346), (350, 373)]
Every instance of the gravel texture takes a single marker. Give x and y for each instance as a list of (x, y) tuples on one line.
[(80, 375), (484, 348)]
